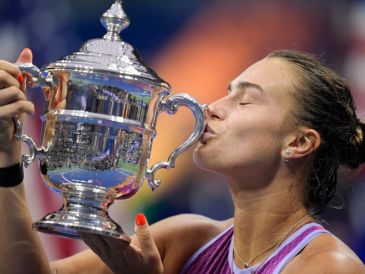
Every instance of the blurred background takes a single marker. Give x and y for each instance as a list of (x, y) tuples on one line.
[(198, 47)]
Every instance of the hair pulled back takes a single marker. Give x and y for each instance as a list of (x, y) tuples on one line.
[(325, 104)]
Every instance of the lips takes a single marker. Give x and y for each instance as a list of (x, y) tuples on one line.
[(208, 134), (209, 129)]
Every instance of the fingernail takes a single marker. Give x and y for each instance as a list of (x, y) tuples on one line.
[(26, 49), (140, 219), (20, 78)]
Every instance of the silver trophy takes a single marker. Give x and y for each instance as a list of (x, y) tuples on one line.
[(99, 122)]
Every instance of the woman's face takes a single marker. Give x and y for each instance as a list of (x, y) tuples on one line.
[(248, 128)]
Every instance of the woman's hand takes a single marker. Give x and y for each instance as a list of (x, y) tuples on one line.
[(12, 102), (124, 258)]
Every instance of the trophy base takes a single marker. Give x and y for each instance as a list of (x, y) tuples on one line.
[(68, 224), (84, 210)]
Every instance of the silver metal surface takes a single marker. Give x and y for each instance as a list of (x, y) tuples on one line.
[(109, 55), (98, 127), (114, 20), (170, 105), (35, 152)]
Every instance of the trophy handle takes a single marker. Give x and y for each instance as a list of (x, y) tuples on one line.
[(35, 78), (170, 105)]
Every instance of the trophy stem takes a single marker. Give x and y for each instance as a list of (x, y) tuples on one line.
[(84, 210)]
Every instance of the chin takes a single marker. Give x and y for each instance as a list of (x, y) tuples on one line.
[(204, 160)]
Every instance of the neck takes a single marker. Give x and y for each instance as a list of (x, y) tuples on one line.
[(263, 219)]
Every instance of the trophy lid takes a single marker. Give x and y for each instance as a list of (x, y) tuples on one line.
[(109, 55)]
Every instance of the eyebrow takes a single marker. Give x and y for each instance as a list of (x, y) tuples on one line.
[(245, 84)]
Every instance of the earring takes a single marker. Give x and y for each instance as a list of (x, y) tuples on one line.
[(285, 154)]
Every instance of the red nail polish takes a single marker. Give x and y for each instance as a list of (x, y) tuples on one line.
[(140, 219), (20, 78)]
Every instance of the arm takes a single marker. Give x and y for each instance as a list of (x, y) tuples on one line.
[(83, 262), (20, 247), (176, 239), (115, 255)]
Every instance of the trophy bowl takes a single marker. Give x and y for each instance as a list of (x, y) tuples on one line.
[(101, 108)]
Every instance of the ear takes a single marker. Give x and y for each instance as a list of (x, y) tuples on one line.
[(305, 142)]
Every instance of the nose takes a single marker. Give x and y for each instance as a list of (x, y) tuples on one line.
[(214, 111)]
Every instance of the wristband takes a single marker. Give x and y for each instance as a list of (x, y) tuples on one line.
[(11, 176)]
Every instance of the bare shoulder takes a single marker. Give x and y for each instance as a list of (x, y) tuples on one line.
[(326, 254), (180, 236)]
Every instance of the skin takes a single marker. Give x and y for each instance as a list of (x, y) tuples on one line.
[(267, 192)]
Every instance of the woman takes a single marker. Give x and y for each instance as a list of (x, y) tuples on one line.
[(278, 138)]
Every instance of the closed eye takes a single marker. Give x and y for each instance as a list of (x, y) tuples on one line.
[(244, 103)]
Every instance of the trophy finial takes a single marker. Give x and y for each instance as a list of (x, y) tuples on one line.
[(114, 20)]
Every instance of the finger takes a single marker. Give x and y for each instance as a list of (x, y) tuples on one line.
[(144, 237), (20, 106), (94, 241), (118, 248), (105, 242), (26, 56), (111, 250), (7, 80), (11, 94), (61, 105), (9, 68)]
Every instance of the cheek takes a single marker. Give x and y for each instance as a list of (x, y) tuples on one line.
[(258, 152), (257, 142), (253, 149)]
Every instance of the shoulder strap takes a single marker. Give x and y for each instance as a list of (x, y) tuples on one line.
[(289, 249), (227, 233)]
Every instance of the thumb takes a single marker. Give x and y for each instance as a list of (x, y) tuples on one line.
[(26, 56), (144, 236)]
